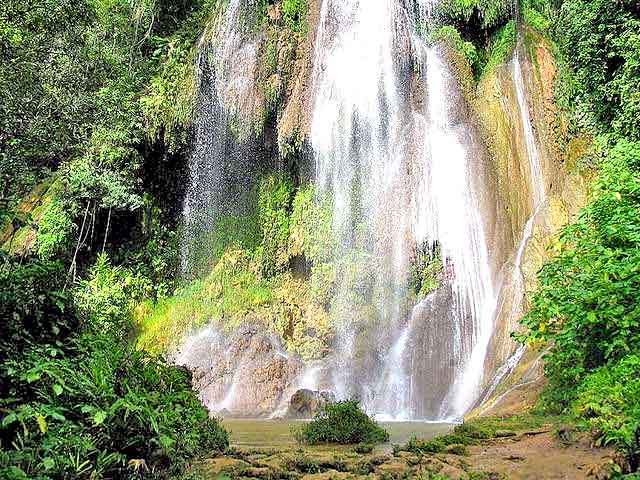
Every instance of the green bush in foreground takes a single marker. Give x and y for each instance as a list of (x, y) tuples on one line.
[(78, 401), (341, 422)]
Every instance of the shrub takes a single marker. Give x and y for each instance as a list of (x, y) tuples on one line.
[(81, 402), (341, 422), (609, 401), (600, 41), (587, 299), (275, 193), (102, 409)]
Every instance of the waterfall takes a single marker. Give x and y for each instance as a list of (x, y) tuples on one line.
[(222, 163), (395, 150), (536, 184), (356, 136), (401, 178), (453, 219), (533, 157)]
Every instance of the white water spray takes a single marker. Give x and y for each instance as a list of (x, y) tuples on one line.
[(401, 177)]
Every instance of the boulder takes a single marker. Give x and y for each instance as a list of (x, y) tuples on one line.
[(305, 403)]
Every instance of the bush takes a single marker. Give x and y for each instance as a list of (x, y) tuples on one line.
[(341, 422), (609, 400), (101, 409), (600, 41), (81, 402), (587, 299)]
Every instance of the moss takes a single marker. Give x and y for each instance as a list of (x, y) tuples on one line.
[(457, 449), (275, 194), (234, 290), (311, 230), (452, 38), (484, 16), (363, 448), (500, 46), (425, 273), (473, 432), (294, 14), (54, 229)]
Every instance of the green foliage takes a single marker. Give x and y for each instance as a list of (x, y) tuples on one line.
[(424, 273), (609, 401), (483, 39), (102, 406), (587, 306), (341, 422), (229, 232), (275, 193), (54, 230), (78, 404), (76, 78), (363, 448), (452, 38), (499, 47), (234, 288), (30, 297), (600, 41), (473, 432), (483, 15), (106, 296), (536, 14), (586, 302), (294, 13), (311, 228)]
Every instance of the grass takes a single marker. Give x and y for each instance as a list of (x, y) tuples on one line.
[(235, 290), (472, 433)]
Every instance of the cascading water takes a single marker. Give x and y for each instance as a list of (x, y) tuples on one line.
[(454, 221), (400, 177), (535, 169), (356, 136), (538, 194), (396, 152), (222, 165)]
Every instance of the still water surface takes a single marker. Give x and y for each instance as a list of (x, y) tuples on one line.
[(277, 433)]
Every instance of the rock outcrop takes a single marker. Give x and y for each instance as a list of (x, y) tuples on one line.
[(243, 373)]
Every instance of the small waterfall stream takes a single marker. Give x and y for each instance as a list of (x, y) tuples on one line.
[(538, 196), (222, 163)]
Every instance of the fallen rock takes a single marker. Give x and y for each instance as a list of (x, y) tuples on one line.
[(305, 403)]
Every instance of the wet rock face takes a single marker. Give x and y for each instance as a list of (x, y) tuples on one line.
[(306, 403), (434, 354), (243, 373)]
